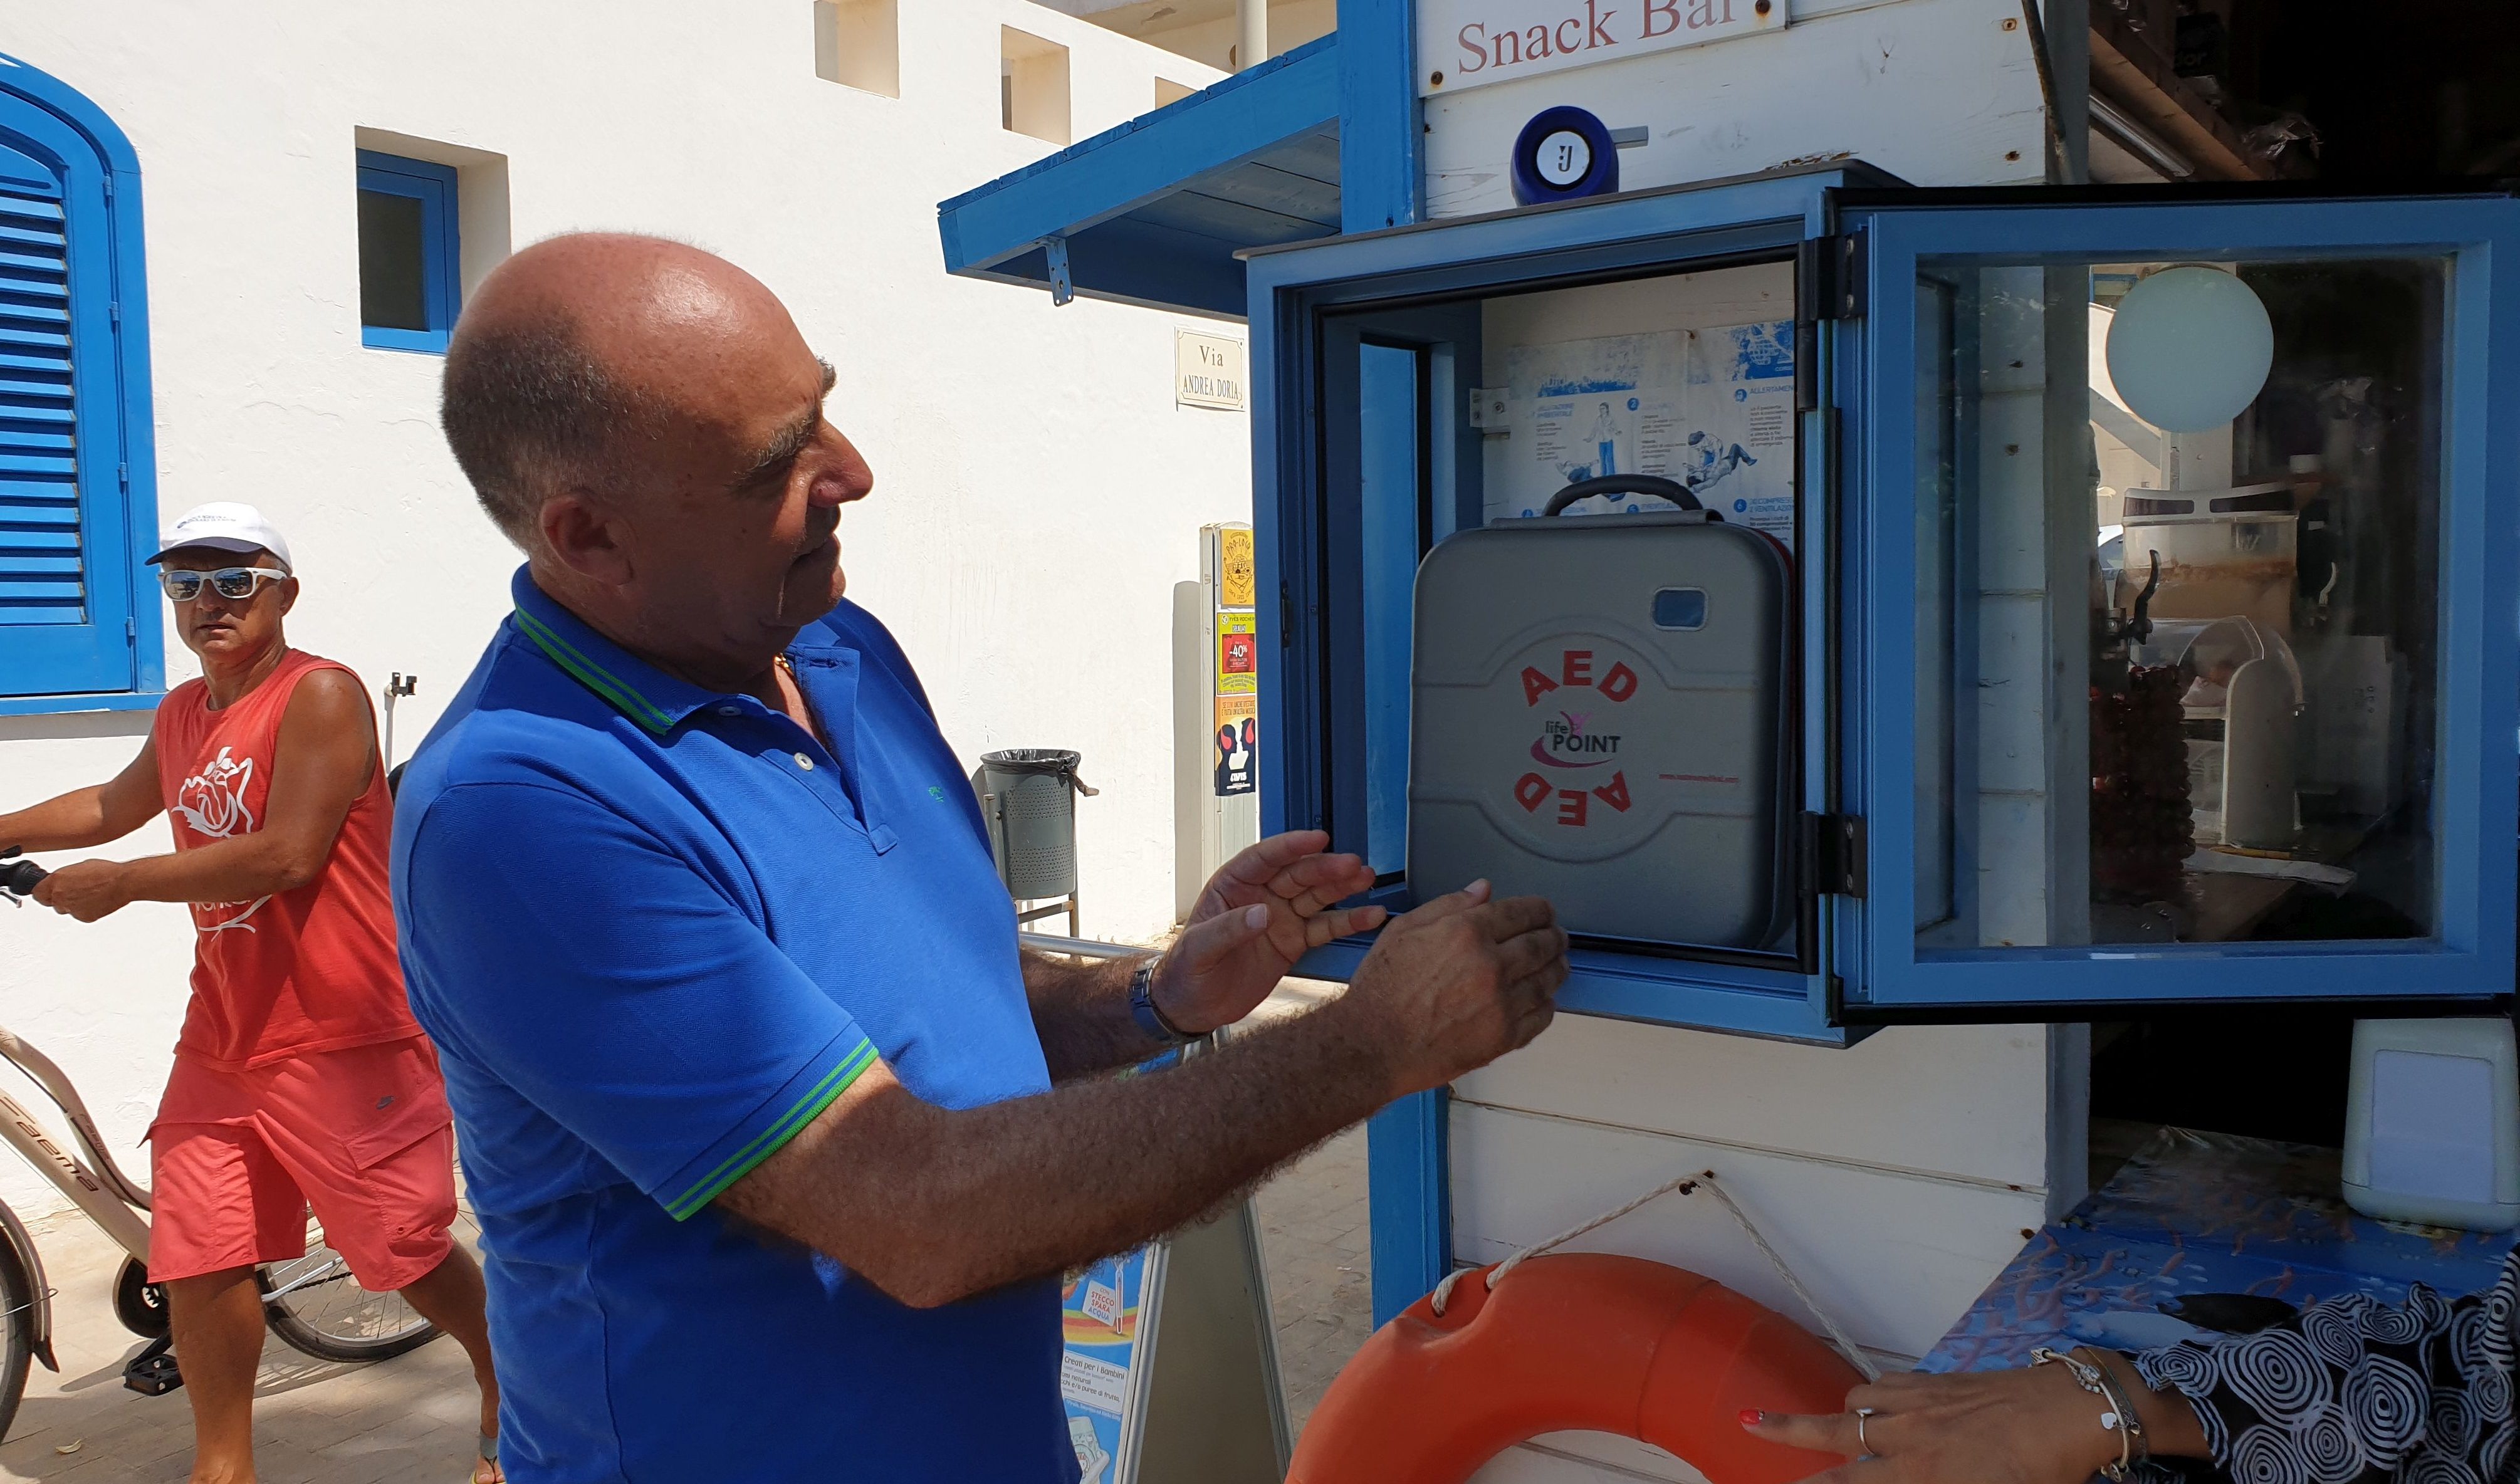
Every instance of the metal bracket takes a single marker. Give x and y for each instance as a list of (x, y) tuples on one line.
[(1488, 411), (1062, 286), (1829, 285), (1828, 274), (1833, 854)]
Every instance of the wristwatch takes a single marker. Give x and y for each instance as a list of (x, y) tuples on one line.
[(1142, 1005)]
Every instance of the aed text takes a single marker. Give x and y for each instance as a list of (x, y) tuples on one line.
[(1574, 805), (1575, 668)]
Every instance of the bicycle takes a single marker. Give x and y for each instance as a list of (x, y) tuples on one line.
[(312, 1303)]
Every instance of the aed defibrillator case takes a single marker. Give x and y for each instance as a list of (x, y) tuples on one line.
[(1600, 716)]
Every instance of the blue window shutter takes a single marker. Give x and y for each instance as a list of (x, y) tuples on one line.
[(66, 617), (41, 584)]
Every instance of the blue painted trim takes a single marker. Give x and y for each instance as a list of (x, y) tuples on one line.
[(70, 705), (1410, 1202), (442, 248), (120, 422), (1147, 156), (75, 107), (1081, 192), (2476, 800), (1380, 181), (1770, 1004), (1774, 210)]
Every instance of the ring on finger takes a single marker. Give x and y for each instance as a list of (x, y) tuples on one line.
[(1862, 1415)]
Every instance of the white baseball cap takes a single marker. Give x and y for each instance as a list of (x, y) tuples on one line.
[(224, 527)]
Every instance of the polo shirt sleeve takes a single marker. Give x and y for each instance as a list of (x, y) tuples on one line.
[(568, 952)]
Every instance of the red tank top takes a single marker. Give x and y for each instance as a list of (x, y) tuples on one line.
[(304, 971)]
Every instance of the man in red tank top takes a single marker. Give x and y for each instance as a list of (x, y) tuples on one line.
[(301, 1078)]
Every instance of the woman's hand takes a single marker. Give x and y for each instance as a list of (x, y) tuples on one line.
[(2030, 1426)]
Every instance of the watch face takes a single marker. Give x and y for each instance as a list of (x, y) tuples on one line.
[(1562, 158)]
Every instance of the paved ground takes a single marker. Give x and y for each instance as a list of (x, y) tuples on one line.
[(411, 1420), (1312, 1233), (406, 1420)]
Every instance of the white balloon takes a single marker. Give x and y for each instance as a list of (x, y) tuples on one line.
[(2190, 349)]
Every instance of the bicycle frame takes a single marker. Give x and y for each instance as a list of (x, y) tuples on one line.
[(95, 1182)]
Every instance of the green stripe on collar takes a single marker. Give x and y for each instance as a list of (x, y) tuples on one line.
[(593, 676)]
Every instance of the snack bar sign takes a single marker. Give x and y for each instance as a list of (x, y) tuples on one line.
[(1471, 43)]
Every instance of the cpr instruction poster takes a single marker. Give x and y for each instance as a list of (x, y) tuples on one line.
[(1711, 408), (1099, 1310)]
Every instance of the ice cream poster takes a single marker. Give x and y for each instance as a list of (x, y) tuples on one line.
[(1099, 1311)]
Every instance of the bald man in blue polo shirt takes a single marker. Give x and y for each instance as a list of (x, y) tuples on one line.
[(777, 1141)]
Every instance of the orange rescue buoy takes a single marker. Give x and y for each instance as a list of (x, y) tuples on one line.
[(1573, 1340)]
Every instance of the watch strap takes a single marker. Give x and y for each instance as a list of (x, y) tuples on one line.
[(1142, 1005)]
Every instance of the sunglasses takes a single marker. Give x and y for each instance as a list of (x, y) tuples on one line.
[(238, 582)]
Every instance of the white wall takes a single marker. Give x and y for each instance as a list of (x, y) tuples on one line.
[(1038, 493), (1291, 24)]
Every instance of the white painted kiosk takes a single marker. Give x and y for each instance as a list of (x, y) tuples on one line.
[(1488, 248)]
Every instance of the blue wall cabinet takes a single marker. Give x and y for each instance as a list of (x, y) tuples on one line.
[(2145, 554)]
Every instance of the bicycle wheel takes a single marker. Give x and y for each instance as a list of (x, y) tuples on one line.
[(318, 1308), (17, 1334)]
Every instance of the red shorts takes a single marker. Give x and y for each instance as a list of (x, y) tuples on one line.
[(362, 1135)]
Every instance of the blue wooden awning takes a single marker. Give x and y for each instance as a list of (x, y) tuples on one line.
[(1152, 212)]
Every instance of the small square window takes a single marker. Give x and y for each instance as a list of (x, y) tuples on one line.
[(857, 43), (409, 251), (1033, 85)]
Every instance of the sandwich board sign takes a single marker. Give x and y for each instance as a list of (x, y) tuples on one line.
[(1170, 1373)]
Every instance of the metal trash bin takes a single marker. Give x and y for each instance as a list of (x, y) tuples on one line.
[(1029, 796)]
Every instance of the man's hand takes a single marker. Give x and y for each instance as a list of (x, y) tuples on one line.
[(2028, 1426), (1456, 985), (1257, 917), (87, 891)]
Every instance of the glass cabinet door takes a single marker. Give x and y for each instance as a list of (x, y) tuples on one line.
[(2185, 555)]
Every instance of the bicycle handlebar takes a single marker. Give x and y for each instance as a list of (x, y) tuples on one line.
[(19, 878)]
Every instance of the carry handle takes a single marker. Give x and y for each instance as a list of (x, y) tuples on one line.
[(1627, 484)]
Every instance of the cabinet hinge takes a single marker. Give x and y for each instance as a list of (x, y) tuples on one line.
[(1833, 854), (113, 311), (1829, 285), (131, 630), (1828, 277), (122, 473), (1285, 617)]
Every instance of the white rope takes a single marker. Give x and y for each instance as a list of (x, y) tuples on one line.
[(1685, 1185)]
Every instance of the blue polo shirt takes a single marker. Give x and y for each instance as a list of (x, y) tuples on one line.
[(653, 931)]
